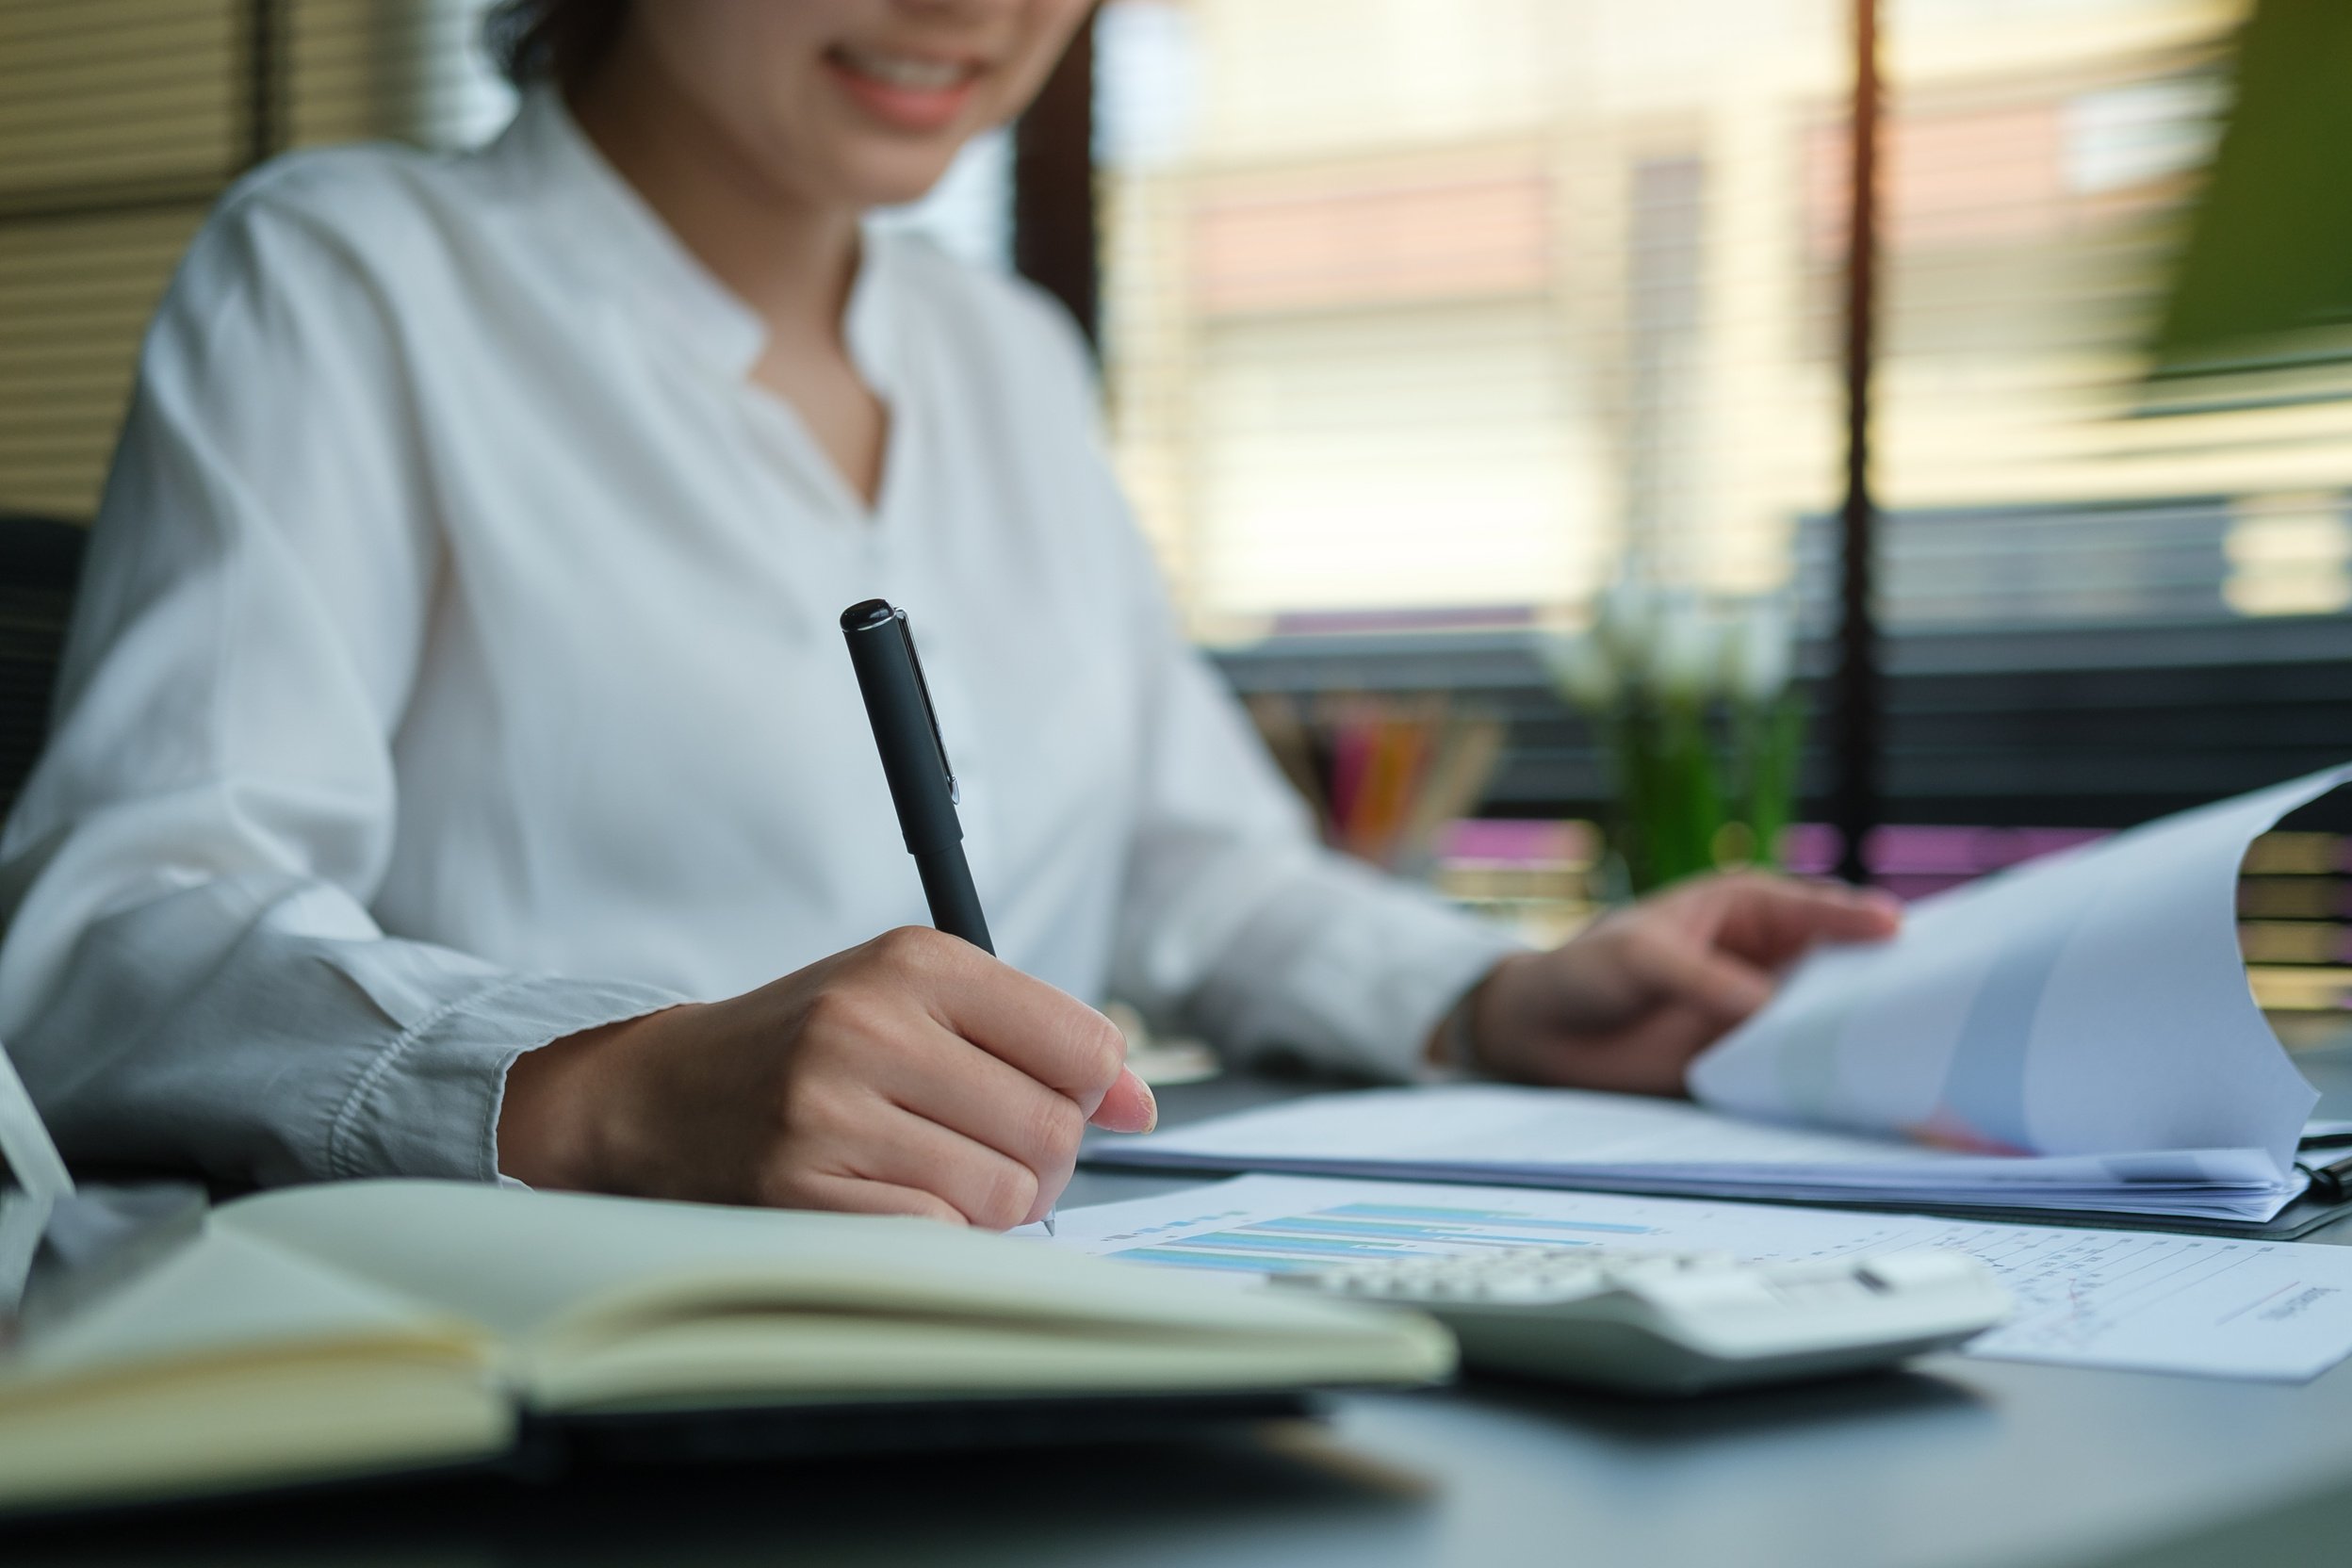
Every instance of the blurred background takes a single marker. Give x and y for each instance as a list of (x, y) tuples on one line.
[(1422, 321)]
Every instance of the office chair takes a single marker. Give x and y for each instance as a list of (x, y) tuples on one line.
[(40, 563)]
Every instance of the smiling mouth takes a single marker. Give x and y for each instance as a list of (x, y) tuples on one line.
[(907, 94), (904, 72)]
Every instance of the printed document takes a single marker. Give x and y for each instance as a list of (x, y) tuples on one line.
[(2093, 1002), (2075, 1033), (1640, 1143), (2256, 1310)]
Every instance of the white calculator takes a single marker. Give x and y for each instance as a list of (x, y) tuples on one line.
[(1679, 1322)]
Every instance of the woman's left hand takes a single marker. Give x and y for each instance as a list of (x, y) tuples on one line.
[(1629, 1002)]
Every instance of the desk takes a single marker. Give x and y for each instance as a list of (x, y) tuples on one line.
[(1960, 1463)]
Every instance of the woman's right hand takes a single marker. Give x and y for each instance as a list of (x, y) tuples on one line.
[(914, 1074)]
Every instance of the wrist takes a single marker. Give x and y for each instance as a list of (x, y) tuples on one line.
[(560, 1121), (1494, 1014), (1456, 1042)]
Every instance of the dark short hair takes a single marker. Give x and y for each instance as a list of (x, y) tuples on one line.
[(558, 41)]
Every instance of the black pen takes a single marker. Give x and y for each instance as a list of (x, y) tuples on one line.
[(914, 760)]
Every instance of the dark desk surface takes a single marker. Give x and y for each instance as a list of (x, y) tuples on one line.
[(1959, 1463)]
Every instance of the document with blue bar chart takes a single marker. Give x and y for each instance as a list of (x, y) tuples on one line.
[(2200, 1305)]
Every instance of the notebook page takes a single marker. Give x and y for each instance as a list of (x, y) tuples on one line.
[(225, 1295), (231, 1364), (541, 1266)]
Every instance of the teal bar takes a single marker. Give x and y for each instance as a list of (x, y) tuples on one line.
[(1406, 1230), (1235, 1241), (1485, 1216), (1213, 1260)]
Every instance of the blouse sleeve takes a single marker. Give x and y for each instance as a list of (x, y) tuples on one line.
[(1233, 917), (1236, 920), (190, 976)]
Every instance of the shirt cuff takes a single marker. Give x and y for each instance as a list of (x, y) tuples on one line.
[(428, 1104), (1351, 969)]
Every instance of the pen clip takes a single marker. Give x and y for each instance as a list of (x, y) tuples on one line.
[(938, 743)]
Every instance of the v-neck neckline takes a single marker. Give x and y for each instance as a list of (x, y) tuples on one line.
[(778, 410), (613, 229), (872, 348)]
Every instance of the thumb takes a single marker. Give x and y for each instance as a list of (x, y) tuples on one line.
[(1128, 1107)]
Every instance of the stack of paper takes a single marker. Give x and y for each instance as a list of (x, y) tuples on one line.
[(2074, 1034), (1631, 1143)]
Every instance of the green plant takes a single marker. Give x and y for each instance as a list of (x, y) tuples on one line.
[(1703, 732)]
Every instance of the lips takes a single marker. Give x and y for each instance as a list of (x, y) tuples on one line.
[(904, 91)]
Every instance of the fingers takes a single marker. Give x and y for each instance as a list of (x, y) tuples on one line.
[(985, 1188), (854, 1195), (839, 1136), (1042, 1031), (1774, 919), (1715, 981), (1129, 1107), (943, 1079), (989, 1056), (1759, 923)]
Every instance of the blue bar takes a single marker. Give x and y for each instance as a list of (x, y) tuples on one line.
[(1234, 1239), (1484, 1216), (1406, 1231), (1212, 1260)]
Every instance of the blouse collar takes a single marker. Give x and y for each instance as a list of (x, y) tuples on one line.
[(603, 226)]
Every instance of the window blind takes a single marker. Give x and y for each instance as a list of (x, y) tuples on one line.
[(2043, 163), (1440, 313), (122, 121), (1429, 312)]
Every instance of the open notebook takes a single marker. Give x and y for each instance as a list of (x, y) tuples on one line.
[(2074, 1034), (327, 1331)]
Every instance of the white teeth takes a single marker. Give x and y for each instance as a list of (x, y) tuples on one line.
[(905, 71)]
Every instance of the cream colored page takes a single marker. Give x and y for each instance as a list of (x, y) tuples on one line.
[(2089, 1004), (538, 1266), (230, 1363), (222, 1294), (747, 1356)]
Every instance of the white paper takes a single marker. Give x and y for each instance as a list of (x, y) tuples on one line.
[(2077, 1032), (2095, 1000), (23, 1219), (31, 1159), (2256, 1309), (1577, 1139), (33, 1181)]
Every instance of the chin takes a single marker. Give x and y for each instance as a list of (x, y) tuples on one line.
[(895, 176)]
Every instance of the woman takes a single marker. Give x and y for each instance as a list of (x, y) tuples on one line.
[(455, 741)]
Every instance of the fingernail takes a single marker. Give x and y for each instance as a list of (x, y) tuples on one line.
[(1151, 1106)]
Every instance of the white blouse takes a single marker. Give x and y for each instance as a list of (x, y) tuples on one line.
[(458, 667)]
